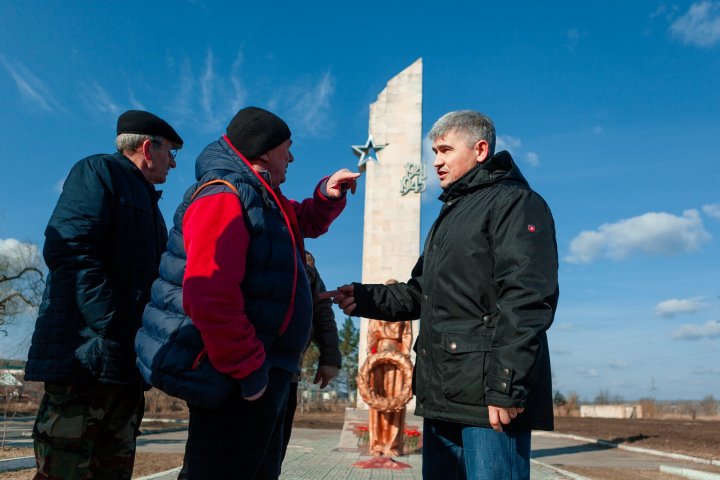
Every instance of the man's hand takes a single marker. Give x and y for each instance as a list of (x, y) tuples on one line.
[(259, 394), (324, 374), (500, 416), (340, 181), (343, 297)]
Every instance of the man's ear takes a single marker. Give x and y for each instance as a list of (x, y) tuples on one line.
[(482, 151), (147, 157), (263, 159)]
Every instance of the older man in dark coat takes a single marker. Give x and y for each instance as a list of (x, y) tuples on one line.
[(102, 247)]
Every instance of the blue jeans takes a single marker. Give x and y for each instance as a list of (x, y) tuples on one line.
[(457, 451)]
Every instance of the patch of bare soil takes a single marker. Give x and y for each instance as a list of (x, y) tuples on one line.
[(694, 438), (616, 473), (145, 463), (319, 420)]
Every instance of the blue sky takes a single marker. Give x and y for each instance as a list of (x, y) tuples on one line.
[(611, 109)]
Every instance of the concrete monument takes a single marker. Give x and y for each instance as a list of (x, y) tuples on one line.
[(395, 178)]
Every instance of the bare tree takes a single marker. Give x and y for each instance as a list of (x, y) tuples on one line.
[(709, 406), (22, 279)]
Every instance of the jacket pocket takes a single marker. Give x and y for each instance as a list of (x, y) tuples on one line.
[(461, 366)]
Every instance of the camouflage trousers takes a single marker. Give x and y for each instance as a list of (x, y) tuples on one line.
[(87, 431)]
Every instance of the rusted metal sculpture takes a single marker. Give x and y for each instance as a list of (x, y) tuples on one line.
[(385, 383)]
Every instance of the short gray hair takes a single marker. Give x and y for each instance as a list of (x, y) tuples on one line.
[(130, 142), (474, 125)]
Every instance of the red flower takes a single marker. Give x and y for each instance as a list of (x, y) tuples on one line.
[(373, 349)]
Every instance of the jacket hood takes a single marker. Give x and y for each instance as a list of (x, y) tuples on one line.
[(220, 157), (499, 167)]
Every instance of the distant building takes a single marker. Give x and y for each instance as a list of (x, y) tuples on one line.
[(12, 365), (611, 411)]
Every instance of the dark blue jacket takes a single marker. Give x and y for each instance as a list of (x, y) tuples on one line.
[(167, 345), (102, 247)]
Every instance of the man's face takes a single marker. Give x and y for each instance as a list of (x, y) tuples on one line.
[(162, 156), (276, 162), (453, 158)]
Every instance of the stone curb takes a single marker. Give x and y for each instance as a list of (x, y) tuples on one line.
[(689, 473), (648, 451), (570, 475), (16, 463), (159, 475)]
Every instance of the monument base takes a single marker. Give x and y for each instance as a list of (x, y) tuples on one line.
[(355, 435)]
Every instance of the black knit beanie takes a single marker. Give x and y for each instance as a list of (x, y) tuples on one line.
[(254, 131)]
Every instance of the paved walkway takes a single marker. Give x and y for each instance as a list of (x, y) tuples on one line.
[(313, 454)]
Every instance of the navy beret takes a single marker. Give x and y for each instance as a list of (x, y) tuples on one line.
[(254, 131), (146, 123)]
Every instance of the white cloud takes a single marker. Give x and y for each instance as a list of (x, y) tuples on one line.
[(514, 146), (532, 159), (712, 210), (198, 103), (618, 365), (563, 326), (675, 306), (587, 372), (31, 88), (206, 85), (136, 104), (574, 36), (58, 187), (710, 329), (13, 248), (700, 26), (310, 105), (656, 233), (706, 371), (239, 92), (507, 142), (98, 99)]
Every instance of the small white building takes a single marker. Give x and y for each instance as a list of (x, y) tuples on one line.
[(611, 411)]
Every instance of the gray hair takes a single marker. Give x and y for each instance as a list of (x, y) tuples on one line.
[(474, 125), (130, 142)]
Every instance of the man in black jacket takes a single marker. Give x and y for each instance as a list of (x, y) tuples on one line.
[(102, 247), (486, 291)]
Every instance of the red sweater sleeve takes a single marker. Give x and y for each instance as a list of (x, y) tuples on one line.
[(216, 242), (314, 215)]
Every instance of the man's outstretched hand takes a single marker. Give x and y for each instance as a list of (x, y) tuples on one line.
[(341, 181), (343, 297)]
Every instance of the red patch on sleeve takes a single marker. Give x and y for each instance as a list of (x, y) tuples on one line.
[(531, 228)]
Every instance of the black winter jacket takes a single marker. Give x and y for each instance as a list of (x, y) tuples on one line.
[(324, 328), (102, 247), (485, 290)]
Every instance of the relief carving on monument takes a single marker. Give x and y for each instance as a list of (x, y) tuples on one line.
[(414, 179)]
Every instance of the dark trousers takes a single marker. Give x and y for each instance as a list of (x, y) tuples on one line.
[(240, 439), (289, 416)]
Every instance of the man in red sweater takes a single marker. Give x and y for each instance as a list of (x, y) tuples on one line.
[(245, 288)]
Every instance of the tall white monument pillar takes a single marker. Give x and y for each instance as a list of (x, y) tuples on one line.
[(394, 180)]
